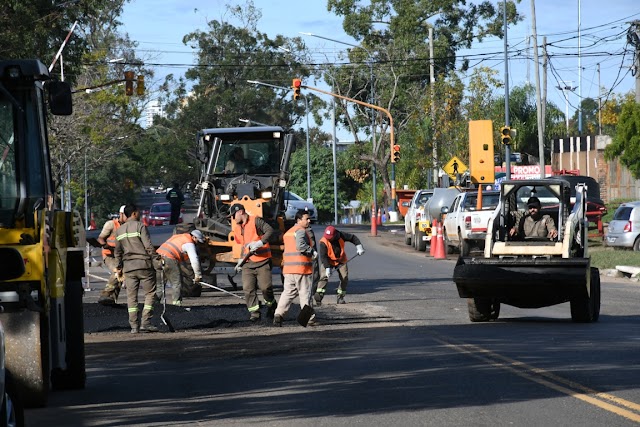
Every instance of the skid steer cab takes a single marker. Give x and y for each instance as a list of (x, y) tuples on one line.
[(533, 271), (40, 246)]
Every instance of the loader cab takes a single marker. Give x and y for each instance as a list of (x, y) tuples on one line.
[(554, 196)]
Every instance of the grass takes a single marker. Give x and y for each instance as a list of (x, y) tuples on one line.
[(606, 258)]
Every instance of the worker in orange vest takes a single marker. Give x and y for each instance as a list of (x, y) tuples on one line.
[(297, 268), (107, 238), (333, 255), (175, 251), (253, 234)]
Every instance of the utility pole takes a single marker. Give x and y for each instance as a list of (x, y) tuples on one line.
[(432, 80), (633, 37), (544, 85), (507, 147), (579, 72), (538, 100), (599, 103)]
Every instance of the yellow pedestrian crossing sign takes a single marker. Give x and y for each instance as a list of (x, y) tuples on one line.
[(455, 167)]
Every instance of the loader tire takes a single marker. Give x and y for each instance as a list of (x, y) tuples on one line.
[(483, 309), (74, 377), (587, 309)]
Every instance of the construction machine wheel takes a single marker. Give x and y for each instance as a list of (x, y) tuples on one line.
[(463, 246), (587, 309), (74, 377), (483, 309), (421, 244), (27, 355), (12, 410)]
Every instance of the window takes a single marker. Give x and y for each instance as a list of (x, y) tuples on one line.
[(623, 213)]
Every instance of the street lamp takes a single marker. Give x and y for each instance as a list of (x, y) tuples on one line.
[(564, 88), (306, 108), (373, 126)]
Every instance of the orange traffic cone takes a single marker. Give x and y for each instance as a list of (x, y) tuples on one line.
[(440, 252), (432, 242), (379, 219), (92, 222)]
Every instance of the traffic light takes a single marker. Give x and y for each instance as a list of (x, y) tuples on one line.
[(396, 154), (128, 83), (297, 83), (505, 135), (140, 86)]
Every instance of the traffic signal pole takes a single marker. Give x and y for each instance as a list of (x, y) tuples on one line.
[(392, 140)]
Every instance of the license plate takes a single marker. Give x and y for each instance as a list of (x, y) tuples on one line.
[(611, 239), (165, 222)]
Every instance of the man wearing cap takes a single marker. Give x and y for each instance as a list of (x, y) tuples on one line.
[(534, 224), (253, 234), (176, 251), (135, 255), (107, 239), (333, 255), (176, 199)]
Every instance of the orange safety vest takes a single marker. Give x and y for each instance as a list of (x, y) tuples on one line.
[(247, 234), (293, 261), (111, 240), (333, 260), (172, 248)]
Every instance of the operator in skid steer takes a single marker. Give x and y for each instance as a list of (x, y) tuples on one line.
[(534, 224)]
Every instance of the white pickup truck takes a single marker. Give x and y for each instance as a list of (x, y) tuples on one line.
[(412, 232), (464, 225)]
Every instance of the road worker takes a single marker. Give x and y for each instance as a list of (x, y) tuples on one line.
[(176, 251), (107, 238), (135, 255), (176, 199), (333, 255), (297, 268), (253, 234)]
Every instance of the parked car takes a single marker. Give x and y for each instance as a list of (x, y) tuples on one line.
[(159, 214), (293, 203), (624, 229), (464, 225), (412, 232)]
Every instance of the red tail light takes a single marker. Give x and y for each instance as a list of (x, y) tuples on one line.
[(467, 222), (628, 227)]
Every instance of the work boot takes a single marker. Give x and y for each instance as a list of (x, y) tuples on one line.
[(271, 310), (134, 330), (106, 300), (277, 320), (340, 299), (313, 322), (318, 298), (177, 303), (149, 328), (255, 317)]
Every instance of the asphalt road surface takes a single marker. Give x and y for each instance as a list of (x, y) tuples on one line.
[(401, 352)]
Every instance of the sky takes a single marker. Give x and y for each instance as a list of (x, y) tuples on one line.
[(159, 25)]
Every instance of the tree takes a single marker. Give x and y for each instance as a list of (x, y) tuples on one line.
[(626, 142)]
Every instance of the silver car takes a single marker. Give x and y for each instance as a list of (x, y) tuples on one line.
[(293, 203), (624, 229)]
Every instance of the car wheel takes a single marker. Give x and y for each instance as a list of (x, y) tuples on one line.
[(636, 244), (407, 239), (463, 246), (421, 244)]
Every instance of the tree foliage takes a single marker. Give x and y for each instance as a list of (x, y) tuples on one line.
[(626, 142)]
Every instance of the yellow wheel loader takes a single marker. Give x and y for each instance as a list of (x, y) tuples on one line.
[(40, 267)]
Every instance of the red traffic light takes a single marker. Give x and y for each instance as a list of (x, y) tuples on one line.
[(396, 153), (297, 83), (396, 147)]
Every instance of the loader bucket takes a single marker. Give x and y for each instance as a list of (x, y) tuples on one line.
[(523, 282)]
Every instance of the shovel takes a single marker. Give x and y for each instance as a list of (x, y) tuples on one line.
[(163, 317), (307, 311)]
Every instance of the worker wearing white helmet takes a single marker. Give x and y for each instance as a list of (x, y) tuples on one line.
[(107, 238), (176, 251)]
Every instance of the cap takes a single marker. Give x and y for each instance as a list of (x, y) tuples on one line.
[(198, 235), (330, 232), (122, 209), (534, 202), (235, 208)]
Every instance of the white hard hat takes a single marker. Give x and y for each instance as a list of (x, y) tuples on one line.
[(122, 209), (198, 235)]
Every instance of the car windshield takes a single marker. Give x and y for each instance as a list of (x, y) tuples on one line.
[(623, 213), (292, 196), (164, 208), (489, 202), (423, 198)]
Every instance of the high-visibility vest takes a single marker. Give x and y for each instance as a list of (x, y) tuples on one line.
[(172, 248), (111, 240), (248, 233), (293, 261), (333, 260)]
